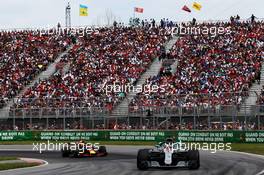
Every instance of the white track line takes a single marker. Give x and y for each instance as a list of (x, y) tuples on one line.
[(249, 154), (254, 155), (261, 173)]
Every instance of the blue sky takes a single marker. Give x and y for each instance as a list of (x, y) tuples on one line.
[(46, 13)]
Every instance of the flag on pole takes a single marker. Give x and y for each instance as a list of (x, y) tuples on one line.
[(197, 6), (83, 10), (138, 10), (185, 8)]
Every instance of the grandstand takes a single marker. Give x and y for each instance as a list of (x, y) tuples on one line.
[(203, 82)]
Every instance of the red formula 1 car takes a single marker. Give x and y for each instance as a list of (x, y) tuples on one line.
[(82, 149)]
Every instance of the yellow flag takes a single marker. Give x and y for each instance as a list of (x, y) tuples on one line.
[(197, 6), (83, 10)]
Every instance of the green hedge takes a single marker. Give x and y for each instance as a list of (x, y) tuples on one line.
[(185, 136)]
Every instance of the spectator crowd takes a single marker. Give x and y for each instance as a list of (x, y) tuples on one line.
[(212, 70), (111, 56), (23, 55)]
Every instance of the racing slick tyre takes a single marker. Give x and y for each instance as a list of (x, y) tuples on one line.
[(65, 153), (102, 150), (76, 154), (142, 159), (194, 159)]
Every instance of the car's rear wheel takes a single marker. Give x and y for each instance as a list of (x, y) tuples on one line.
[(142, 159), (65, 153), (76, 154), (194, 159), (102, 150)]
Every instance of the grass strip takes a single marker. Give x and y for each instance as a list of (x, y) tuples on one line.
[(8, 158), (8, 166)]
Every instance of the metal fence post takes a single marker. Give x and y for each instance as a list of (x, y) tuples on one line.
[(14, 122), (180, 122), (30, 122), (245, 121), (194, 122), (92, 122), (221, 122), (47, 122), (23, 124), (259, 122), (233, 121), (104, 122), (81, 122), (209, 121), (107, 123), (64, 124), (167, 123), (153, 122), (141, 122)]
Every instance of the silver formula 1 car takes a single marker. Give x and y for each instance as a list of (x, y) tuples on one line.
[(168, 154)]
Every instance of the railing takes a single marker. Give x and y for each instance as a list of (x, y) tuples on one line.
[(173, 105), (152, 117), (212, 99), (218, 110), (58, 112), (96, 112)]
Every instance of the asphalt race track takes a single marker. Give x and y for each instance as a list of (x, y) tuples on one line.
[(122, 161)]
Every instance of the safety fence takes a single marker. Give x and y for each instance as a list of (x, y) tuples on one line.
[(159, 111), (151, 117)]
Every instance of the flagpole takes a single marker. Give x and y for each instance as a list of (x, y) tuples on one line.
[(79, 15), (134, 13), (134, 16)]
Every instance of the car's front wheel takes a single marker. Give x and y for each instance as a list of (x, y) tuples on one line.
[(102, 150), (142, 159), (194, 159), (65, 153)]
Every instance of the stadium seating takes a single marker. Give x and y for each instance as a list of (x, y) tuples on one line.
[(23, 55), (211, 70), (111, 56)]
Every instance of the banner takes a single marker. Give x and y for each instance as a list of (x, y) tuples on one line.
[(155, 136)]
